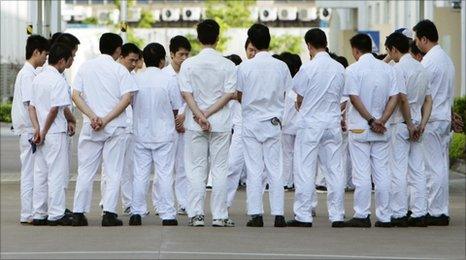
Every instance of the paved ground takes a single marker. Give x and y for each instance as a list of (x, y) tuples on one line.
[(154, 241)]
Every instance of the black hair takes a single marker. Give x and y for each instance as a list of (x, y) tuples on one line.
[(153, 54), (68, 39), (276, 56), (426, 28), (109, 42), (316, 38), (208, 31), (259, 36), (414, 49), (59, 51), (179, 42), (54, 38), (379, 56), (362, 42), (398, 41), (36, 42), (342, 60), (248, 41), (293, 61), (128, 48), (235, 59)]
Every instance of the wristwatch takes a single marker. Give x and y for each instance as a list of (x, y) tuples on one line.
[(370, 121)]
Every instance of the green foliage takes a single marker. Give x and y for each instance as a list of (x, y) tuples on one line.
[(458, 146), (132, 38), (195, 44), (147, 19), (285, 42), (129, 3), (90, 20), (5, 112), (459, 106)]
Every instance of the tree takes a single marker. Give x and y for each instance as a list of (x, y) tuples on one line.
[(147, 19), (286, 42)]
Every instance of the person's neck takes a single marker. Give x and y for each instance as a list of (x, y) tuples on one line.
[(431, 45), (33, 63), (263, 50), (208, 46), (316, 51), (58, 67), (176, 67)]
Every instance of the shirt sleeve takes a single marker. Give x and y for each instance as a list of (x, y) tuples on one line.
[(127, 82), (32, 101), (59, 95), (397, 82), (175, 95), (288, 79), (230, 78), (78, 83), (352, 86), (240, 78), (300, 82), (26, 88), (183, 79)]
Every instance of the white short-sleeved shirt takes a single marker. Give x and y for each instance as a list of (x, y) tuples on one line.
[(102, 82), (50, 89), (153, 106), (414, 82), (374, 82), (263, 81), (320, 82), (441, 73), (171, 72), (290, 115), (208, 76), (22, 95), (237, 118)]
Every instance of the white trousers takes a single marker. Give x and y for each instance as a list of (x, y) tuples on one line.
[(126, 177), (202, 147), (263, 156), (236, 164), (162, 155), (408, 175), (51, 170), (436, 140), (371, 158), (288, 151), (111, 148), (313, 145), (27, 177), (181, 182)]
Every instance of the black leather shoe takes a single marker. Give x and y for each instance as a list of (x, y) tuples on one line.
[(66, 220), (338, 224), (110, 219), (256, 221), (169, 222), (383, 224), (400, 222), (135, 220), (442, 220), (296, 223), (39, 222), (79, 220), (280, 221), (417, 222), (359, 222)]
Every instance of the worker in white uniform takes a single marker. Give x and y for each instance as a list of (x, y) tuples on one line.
[(207, 83), (411, 115), (50, 114), (179, 52), (130, 55), (319, 86), (262, 84), (155, 106), (103, 89), (37, 48), (372, 87), (436, 135)]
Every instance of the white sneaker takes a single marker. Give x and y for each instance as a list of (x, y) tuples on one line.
[(197, 221), (223, 223), (182, 211)]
